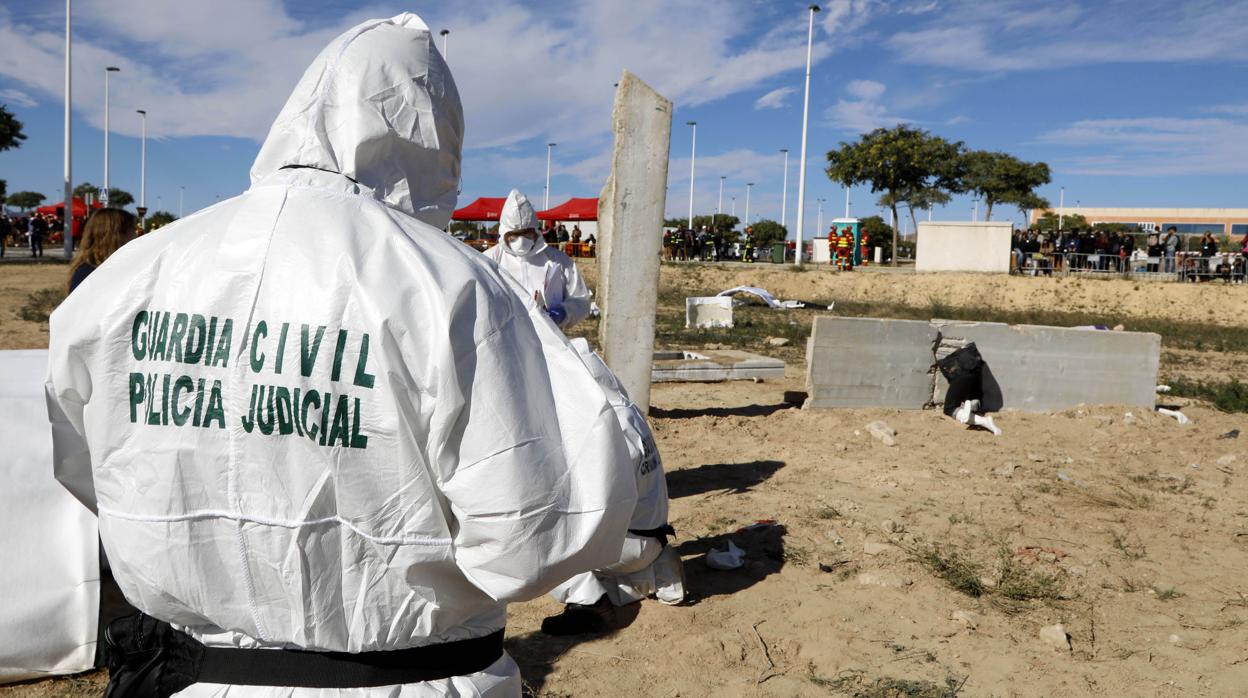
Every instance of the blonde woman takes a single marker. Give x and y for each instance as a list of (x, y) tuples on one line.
[(105, 231)]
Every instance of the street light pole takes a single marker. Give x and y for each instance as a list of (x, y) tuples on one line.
[(143, 169), (847, 202), (67, 218), (104, 194), (1061, 208), (181, 191), (801, 174), (693, 160), (546, 196), (445, 33), (819, 225), (734, 207), (784, 191), (719, 206), (748, 186)]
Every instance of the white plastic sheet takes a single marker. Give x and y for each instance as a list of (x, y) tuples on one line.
[(49, 581)]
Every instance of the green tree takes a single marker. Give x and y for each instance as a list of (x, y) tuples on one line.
[(1029, 203), (117, 198), (85, 188), (159, 219), (901, 162), (11, 135), (767, 233), (25, 200), (1070, 221), (1002, 178), (879, 234)]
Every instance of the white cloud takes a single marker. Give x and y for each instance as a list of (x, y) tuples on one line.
[(847, 16), (918, 8), (863, 113), (865, 89), (17, 97), (1010, 35), (224, 68), (1153, 146), (774, 99)]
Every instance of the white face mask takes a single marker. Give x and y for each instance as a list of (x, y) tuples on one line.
[(520, 246)]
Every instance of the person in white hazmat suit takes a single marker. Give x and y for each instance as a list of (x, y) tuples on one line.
[(326, 442), (647, 565), (546, 274)]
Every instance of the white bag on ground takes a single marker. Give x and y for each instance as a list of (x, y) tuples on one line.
[(50, 577)]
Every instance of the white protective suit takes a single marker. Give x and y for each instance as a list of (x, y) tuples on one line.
[(645, 566), (541, 269), (309, 418)]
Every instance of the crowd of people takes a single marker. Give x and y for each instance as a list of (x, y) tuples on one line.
[(711, 244), (31, 230), (1123, 252)]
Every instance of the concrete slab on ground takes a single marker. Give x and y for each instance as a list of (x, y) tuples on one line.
[(1039, 369), (865, 362), (713, 365)]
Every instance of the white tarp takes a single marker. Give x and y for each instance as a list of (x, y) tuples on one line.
[(49, 579)]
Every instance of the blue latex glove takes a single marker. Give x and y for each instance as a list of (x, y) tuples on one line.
[(557, 313)]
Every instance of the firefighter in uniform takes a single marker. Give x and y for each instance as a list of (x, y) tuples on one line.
[(749, 244), (843, 243)]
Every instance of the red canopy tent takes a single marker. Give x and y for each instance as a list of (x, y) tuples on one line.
[(572, 210), (80, 207), (483, 209)]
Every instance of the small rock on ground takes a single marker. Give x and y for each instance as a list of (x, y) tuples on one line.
[(882, 432), (969, 619), (889, 580), (1056, 637), (777, 341)]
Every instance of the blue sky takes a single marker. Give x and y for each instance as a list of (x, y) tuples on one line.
[(1132, 102)]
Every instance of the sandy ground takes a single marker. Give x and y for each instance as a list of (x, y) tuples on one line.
[(1136, 523), (1214, 303)]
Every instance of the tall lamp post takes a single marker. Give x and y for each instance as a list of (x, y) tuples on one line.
[(847, 201), (67, 218), (142, 170), (1061, 208), (546, 196), (784, 188), (719, 206), (748, 186), (181, 191), (693, 160), (801, 173), (445, 33), (819, 228), (104, 193)]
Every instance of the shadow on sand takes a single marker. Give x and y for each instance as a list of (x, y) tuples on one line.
[(737, 477), (742, 411)]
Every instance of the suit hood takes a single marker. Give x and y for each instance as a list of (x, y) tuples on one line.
[(377, 105)]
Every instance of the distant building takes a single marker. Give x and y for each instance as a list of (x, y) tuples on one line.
[(1189, 221)]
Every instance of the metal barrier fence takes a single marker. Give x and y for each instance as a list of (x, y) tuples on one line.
[(1183, 266)]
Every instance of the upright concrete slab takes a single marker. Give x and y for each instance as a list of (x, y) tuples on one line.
[(964, 246), (714, 365), (708, 312), (864, 362), (1040, 369), (630, 216)]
